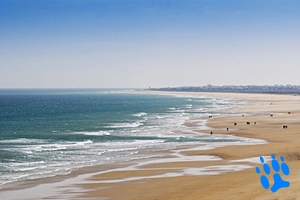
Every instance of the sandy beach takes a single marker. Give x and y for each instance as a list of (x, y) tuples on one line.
[(225, 172), (266, 113), (149, 100)]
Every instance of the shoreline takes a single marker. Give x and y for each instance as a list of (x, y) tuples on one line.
[(23, 184), (121, 190)]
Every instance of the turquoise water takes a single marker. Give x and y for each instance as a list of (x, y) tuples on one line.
[(46, 133)]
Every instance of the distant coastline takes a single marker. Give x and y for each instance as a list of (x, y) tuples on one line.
[(262, 89)]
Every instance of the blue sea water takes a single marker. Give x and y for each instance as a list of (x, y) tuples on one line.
[(44, 133)]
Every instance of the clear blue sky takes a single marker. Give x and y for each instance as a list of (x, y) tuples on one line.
[(142, 43)]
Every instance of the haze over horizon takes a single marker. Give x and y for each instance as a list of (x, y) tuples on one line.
[(142, 43)]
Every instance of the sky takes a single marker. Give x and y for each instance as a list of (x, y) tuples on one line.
[(148, 43)]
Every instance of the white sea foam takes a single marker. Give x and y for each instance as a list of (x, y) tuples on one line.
[(84, 142), (54, 147), (160, 117), (188, 106), (140, 114), (27, 163), (27, 169), (23, 141), (95, 133), (125, 125), (116, 146)]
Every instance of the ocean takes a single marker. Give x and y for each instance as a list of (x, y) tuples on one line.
[(50, 132)]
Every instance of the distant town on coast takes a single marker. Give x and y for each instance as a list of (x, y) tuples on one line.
[(268, 89)]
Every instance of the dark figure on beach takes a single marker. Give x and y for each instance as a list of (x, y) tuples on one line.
[(289, 112), (227, 129), (210, 116), (235, 124), (254, 122), (211, 132), (284, 126), (271, 115), (248, 123)]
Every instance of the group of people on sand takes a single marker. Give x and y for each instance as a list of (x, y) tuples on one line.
[(248, 123)]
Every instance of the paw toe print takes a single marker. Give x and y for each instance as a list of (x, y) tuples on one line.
[(284, 167), (263, 179), (278, 181)]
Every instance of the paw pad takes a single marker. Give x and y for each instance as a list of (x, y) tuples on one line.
[(278, 182)]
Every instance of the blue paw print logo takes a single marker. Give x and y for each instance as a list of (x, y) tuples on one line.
[(278, 182)]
